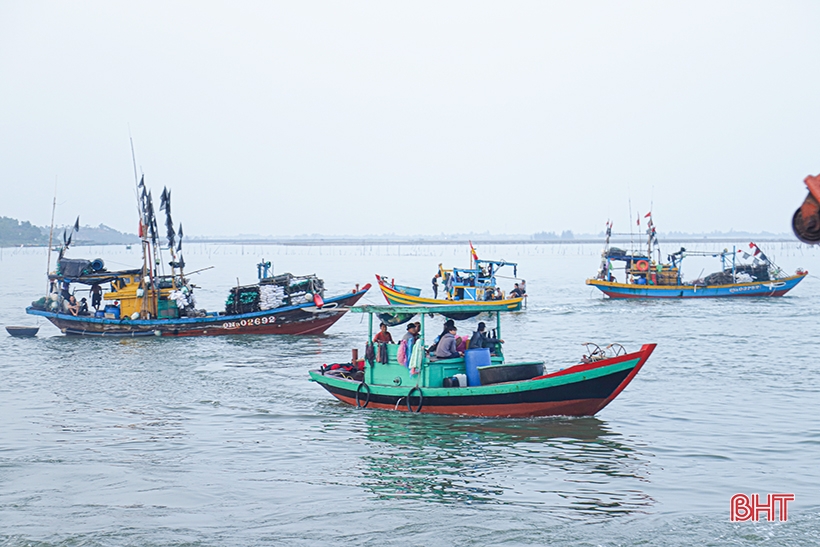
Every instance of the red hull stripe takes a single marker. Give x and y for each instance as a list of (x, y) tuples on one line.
[(577, 407)]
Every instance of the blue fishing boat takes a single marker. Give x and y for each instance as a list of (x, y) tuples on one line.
[(150, 300), (743, 273)]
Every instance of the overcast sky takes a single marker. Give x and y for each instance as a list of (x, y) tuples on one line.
[(284, 118)]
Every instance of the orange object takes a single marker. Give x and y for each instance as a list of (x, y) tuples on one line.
[(806, 220), (814, 186), (642, 265), (318, 300)]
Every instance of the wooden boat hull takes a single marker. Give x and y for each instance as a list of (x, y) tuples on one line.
[(581, 390), (397, 298), (777, 287), (297, 320)]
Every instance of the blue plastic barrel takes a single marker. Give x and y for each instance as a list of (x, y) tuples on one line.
[(474, 358)]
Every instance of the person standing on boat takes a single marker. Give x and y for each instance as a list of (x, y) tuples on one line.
[(481, 340), (409, 338), (383, 336), (435, 285), (65, 293), (96, 296), (446, 348), (449, 283)]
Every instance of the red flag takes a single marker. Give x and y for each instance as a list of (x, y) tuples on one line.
[(647, 215), (472, 251), (639, 219)]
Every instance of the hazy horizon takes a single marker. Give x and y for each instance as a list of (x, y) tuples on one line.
[(360, 117)]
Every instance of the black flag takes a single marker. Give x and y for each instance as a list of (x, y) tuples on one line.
[(165, 204), (77, 224)]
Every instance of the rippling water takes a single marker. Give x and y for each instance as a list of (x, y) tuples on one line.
[(224, 441)]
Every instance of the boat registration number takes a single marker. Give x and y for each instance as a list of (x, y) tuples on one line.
[(256, 321)]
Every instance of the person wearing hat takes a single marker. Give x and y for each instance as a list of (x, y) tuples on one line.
[(412, 332), (481, 340)]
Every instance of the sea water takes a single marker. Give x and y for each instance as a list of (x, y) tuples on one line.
[(224, 441)]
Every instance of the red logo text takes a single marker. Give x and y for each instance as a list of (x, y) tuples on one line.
[(745, 507)]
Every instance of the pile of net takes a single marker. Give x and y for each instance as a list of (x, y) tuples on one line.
[(274, 292), (271, 296), (242, 300), (744, 273)]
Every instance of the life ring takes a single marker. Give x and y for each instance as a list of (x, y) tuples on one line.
[(421, 400), (366, 399), (642, 265)]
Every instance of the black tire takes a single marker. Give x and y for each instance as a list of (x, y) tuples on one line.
[(366, 400), (421, 400)]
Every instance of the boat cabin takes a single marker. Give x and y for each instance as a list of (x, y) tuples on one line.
[(124, 292), (477, 283), (434, 372)]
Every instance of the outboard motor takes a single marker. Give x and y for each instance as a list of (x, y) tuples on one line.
[(806, 220)]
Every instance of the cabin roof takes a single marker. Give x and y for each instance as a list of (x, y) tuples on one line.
[(439, 309)]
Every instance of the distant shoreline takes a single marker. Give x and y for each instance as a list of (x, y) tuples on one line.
[(352, 242)]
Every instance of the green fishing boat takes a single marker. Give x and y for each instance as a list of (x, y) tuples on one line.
[(479, 383)]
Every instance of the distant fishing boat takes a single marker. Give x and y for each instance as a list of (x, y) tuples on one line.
[(149, 300), (465, 287), (742, 273), (481, 383)]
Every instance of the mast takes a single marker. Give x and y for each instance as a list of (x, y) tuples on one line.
[(50, 237), (147, 271)]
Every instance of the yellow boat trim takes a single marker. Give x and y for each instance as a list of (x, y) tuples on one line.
[(397, 298), (602, 283)]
